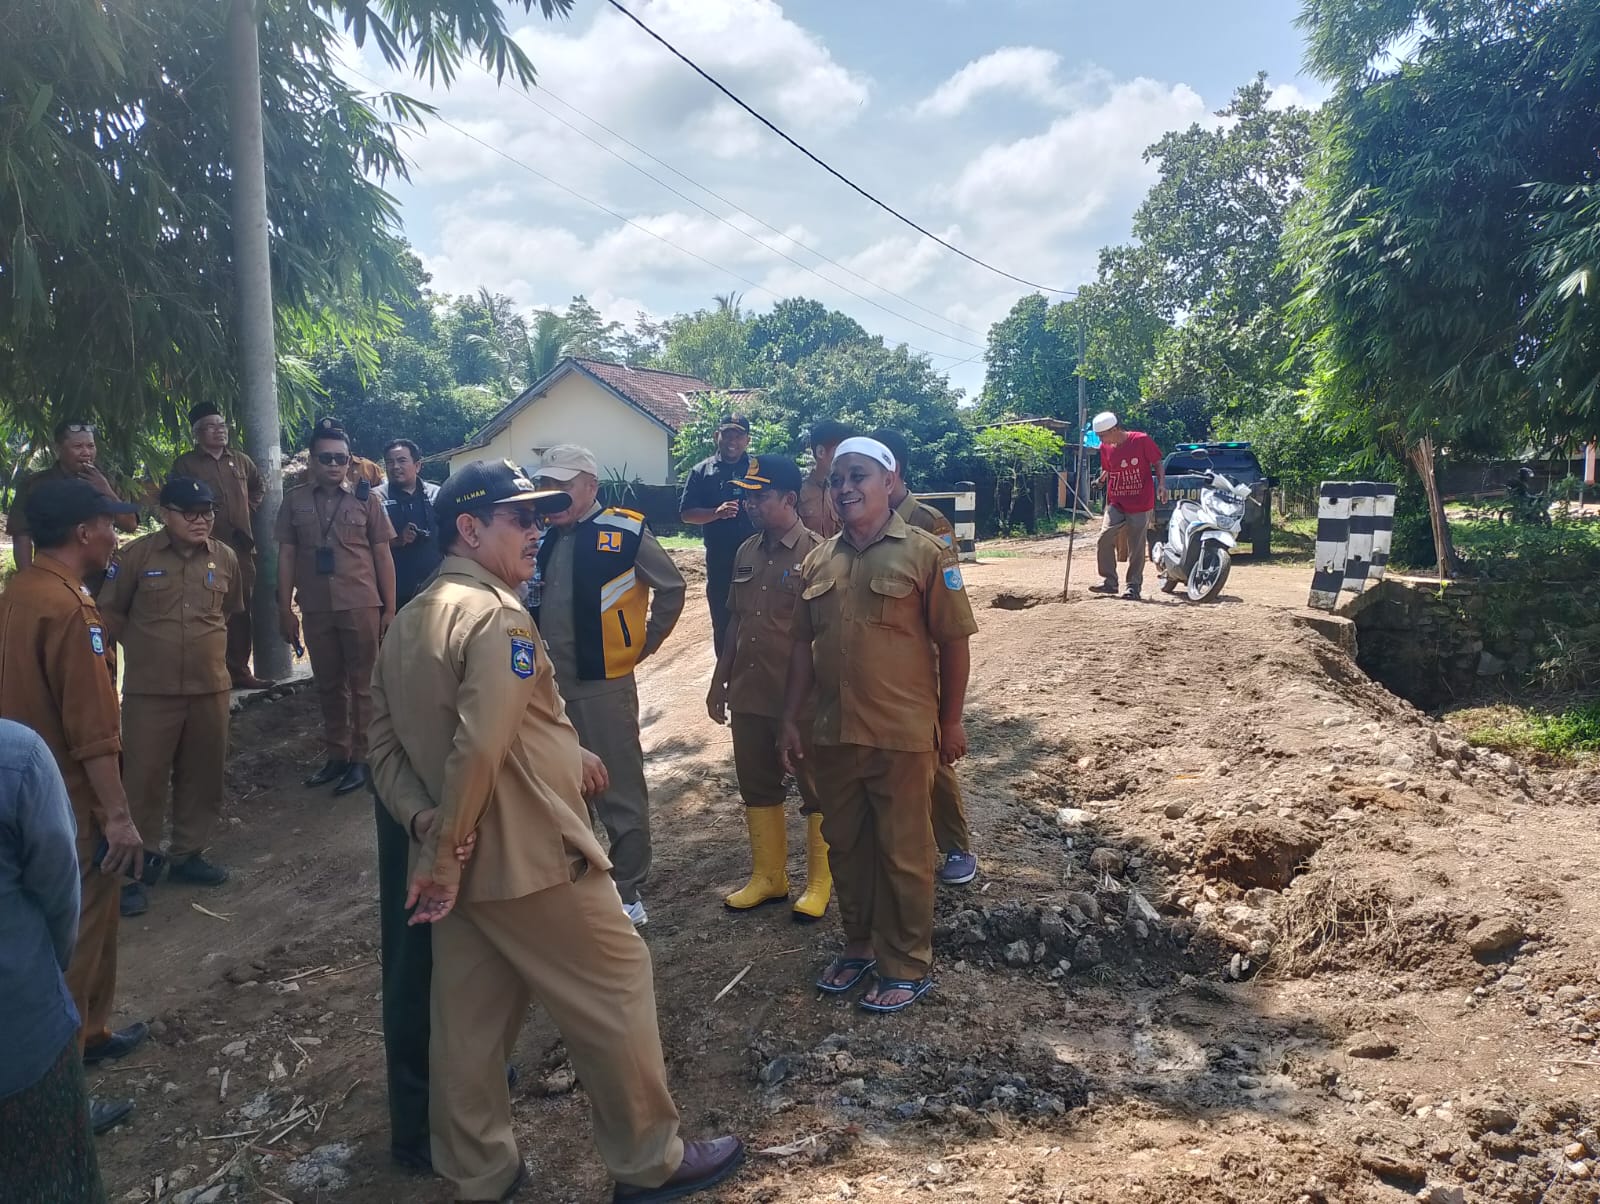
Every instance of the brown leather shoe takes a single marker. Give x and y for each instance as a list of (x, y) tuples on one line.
[(705, 1164), (250, 682)]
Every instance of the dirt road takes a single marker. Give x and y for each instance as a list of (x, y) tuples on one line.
[(1221, 949)]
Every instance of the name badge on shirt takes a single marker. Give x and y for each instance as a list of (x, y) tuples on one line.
[(522, 657), (155, 572), (744, 572), (97, 640)]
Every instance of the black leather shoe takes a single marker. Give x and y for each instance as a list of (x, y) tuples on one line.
[(330, 772), (705, 1164), (134, 901), (197, 871), (107, 1114), (357, 776), (118, 1045)]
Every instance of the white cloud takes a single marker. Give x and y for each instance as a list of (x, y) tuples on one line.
[(1025, 70), (1287, 96), (1087, 160)]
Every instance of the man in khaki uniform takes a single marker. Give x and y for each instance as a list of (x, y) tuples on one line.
[(600, 571), (958, 866), (470, 737), (334, 559), (168, 598), (236, 483), (749, 681), (881, 635), (54, 679), (816, 507), (75, 460)]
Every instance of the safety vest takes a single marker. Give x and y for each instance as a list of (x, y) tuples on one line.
[(609, 602)]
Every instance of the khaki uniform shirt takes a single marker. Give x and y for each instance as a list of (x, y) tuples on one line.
[(766, 586), (236, 481), (173, 608), (816, 507), (354, 528), (54, 679), (17, 517), (466, 717), (874, 617), (655, 569), (932, 520)]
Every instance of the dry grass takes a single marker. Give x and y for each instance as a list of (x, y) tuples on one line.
[(1327, 909)]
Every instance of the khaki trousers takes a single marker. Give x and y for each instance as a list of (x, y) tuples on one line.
[(241, 633), (1106, 550), (92, 972), (344, 646), (573, 949), (950, 832), (760, 772), (176, 741), (608, 726), (876, 820)]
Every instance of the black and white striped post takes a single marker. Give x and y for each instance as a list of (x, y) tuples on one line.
[(1355, 523), (960, 506)]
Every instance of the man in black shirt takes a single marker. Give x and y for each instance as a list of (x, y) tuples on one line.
[(409, 502), (711, 501)]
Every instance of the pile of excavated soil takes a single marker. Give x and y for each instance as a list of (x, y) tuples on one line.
[(1248, 930)]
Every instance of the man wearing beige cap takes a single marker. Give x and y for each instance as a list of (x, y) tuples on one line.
[(596, 572)]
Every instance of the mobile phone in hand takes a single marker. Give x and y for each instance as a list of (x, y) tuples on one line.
[(154, 863)]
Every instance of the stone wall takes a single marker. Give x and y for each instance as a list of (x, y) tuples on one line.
[(1434, 644)]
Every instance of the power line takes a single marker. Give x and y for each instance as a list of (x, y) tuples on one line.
[(627, 221), (746, 234), (832, 171), (543, 90)]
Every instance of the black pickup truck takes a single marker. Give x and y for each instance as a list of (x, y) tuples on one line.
[(1235, 461)]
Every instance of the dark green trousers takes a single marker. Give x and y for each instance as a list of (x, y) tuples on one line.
[(407, 981)]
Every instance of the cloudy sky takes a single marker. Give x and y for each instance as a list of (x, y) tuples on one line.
[(1011, 128)]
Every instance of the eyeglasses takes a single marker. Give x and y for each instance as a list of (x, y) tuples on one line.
[(195, 516), (333, 458), (524, 516)]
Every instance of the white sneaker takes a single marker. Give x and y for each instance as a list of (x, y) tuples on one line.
[(635, 911)]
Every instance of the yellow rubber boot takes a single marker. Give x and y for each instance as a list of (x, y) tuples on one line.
[(769, 855), (819, 877)]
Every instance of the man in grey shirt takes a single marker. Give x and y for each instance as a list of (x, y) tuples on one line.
[(46, 1146)]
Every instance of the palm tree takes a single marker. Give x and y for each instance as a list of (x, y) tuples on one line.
[(544, 346)]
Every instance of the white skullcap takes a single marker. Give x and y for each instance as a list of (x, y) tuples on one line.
[(860, 445), (1103, 422)]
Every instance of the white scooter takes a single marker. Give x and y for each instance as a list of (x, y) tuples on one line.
[(1197, 552)]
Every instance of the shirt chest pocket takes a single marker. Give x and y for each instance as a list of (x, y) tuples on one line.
[(893, 602), (350, 528), (822, 600), (159, 594)]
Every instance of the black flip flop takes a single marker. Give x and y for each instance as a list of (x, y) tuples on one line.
[(861, 965)]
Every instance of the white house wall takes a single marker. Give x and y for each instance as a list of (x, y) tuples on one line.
[(576, 410)]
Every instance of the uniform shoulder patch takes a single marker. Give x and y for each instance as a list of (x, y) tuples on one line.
[(522, 657), (952, 578), (112, 570), (97, 639)]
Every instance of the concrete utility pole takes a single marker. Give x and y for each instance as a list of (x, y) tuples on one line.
[(258, 356), (1077, 472)]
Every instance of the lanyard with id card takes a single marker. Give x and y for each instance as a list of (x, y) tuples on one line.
[(324, 550)]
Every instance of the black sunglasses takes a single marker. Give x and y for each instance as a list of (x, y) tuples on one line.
[(524, 516), (333, 458), (206, 514)]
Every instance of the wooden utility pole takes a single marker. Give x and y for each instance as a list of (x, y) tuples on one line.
[(258, 357), (1077, 473)]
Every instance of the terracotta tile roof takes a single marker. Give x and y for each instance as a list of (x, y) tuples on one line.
[(659, 394)]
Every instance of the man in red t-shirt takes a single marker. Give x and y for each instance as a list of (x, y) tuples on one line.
[(1127, 460)]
